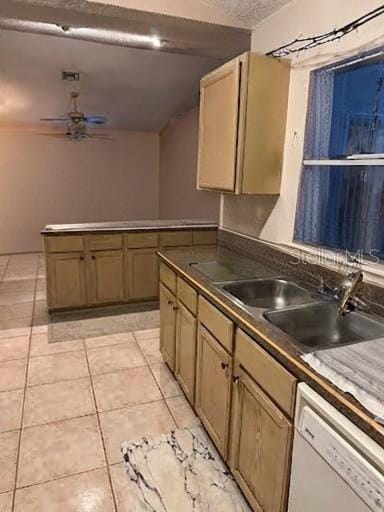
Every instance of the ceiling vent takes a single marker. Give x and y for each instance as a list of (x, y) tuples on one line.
[(70, 76)]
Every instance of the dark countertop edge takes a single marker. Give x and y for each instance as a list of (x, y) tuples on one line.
[(343, 402), (134, 229)]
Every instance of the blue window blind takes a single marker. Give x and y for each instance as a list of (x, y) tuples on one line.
[(340, 205)]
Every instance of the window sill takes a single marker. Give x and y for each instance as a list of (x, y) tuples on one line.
[(345, 162)]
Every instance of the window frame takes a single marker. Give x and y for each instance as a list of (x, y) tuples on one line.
[(332, 257)]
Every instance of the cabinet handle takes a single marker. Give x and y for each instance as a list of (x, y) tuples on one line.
[(175, 308), (236, 379), (170, 302), (224, 366), (93, 257), (81, 258)]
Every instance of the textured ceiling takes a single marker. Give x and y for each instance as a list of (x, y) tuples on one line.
[(234, 13), (238, 13), (248, 12), (136, 89)]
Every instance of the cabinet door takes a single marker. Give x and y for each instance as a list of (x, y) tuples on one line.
[(213, 388), (66, 278), (105, 277), (143, 274), (261, 438), (168, 310), (218, 127), (186, 351)]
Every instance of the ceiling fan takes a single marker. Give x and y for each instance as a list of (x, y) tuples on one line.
[(77, 123)]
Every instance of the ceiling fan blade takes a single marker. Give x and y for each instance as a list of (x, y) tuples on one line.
[(102, 136), (95, 119), (61, 119), (51, 134)]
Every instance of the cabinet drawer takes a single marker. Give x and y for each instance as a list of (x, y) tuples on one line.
[(175, 238), (217, 323), (104, 242), (276, 381), (142, 240), (65, 243), (187, 295), (204, 237), (168, 277)]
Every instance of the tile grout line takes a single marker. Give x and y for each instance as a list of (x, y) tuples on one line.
[(100, 430), (76, 350), (25, 392), (5, 269), (157, 384), (83, 415), (84, 376), (56, 479)]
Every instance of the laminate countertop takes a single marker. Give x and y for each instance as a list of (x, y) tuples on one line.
[(131, 226), (281, 346)]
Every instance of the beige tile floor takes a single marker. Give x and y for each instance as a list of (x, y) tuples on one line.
[(65, 407)]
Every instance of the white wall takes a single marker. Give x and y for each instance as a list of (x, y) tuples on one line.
[(179, 198), (46, 180), (274, 221)]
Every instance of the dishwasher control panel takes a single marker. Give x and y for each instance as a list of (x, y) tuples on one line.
[(361, 476)]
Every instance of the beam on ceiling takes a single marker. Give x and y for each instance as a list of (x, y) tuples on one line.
[(113, 25)]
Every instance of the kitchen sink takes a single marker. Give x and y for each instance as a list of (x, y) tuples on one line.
[(268, 293), (319, 325), (226, 271)]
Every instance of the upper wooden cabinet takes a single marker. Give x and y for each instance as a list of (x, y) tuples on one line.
[(219, 112), (243, 110)]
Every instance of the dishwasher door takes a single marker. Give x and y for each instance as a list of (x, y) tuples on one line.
[(330, 470)]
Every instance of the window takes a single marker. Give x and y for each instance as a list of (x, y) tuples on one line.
[(341, 195)]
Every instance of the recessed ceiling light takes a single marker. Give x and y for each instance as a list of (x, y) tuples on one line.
[(116, 36), (156, 42)]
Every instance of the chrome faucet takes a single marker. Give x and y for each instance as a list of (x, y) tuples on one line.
[(346, 290)]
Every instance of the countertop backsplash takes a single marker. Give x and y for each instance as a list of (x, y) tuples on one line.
[(310, 273)]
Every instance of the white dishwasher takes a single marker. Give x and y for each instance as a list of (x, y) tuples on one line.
[(335, 466)]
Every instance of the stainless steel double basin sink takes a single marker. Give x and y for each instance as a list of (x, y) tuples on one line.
[(311, 321)]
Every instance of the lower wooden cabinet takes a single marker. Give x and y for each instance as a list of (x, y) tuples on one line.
[(66, 274), (261, 438), (213, 388), (142, 274), (168, 312), (105, 277), (116, 267), (185, 362)]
